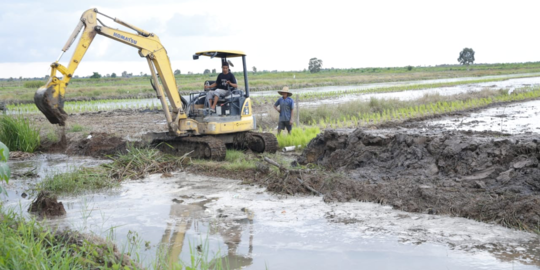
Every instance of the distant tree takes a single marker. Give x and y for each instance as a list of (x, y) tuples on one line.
[(95, 76), (47, 77), (254, 69), (409, 68), (141, 73), (466, 56), (206, 71), (177, 72), (113, 75), (315, 65), (124, 74), (214, 71), (189, 72)]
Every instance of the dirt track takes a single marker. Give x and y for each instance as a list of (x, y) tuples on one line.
[(474, 175)]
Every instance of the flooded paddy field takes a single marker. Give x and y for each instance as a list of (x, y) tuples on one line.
[(409, 194), (335, 94), (515, 118)]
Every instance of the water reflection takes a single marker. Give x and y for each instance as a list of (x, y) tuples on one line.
[(183, 217)]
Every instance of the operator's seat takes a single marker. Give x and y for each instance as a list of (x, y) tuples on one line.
[(233, 92)]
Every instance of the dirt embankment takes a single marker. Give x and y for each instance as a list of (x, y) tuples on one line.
[(464, 174)]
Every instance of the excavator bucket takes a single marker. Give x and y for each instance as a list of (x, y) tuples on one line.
[(51, 104)]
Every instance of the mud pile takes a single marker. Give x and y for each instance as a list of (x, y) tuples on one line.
[(97, 145), (466, 174), (46, 205)]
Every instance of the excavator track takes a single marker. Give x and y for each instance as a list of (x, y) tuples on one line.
[(262, 142), (205, 147)]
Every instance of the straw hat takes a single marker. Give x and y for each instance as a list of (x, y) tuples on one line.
[(285, 90)]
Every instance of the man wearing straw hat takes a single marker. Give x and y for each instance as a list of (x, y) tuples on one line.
[(286, 105)]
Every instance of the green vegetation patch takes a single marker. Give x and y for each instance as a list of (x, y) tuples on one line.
[(28, 245), (376, 111), (238, 160), (19, 133), (298, 137), (78, 181)]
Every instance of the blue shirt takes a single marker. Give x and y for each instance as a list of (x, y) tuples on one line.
[(285, 108)]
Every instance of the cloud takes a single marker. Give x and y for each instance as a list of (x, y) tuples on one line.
[(196, 25)]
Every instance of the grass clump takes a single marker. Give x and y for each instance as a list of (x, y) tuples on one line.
[(19, 134), (238, 160), (28, 245), (78, 181), (298, 137), (76, 128)]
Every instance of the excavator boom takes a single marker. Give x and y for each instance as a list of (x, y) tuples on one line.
[(50, 98)]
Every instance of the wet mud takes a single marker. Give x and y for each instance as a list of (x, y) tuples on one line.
[(47, 205), (97, 144), (479, 176)]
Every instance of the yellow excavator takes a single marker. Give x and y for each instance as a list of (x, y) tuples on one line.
[(193, 128)]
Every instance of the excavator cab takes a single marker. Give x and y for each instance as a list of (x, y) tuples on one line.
[(229, 105)]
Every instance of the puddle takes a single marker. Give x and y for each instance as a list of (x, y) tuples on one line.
[(256, 230), (26, 173), (516, 118)]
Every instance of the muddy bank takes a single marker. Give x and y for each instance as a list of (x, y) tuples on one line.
[(491, 179), (96, 144)]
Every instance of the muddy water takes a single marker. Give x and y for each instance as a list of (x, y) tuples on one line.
[(253, 229), (517, 118), (26, 173)]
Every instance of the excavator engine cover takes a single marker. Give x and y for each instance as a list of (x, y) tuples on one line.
[(51, 104)]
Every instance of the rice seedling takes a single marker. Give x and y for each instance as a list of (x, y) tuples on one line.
[(298, 137)]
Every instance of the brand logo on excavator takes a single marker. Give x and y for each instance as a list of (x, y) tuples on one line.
[(128, 39)]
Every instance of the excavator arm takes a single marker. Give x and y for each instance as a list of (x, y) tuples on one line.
[(50, 98)]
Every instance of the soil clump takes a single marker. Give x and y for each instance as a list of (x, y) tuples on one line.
[(47, 205), (97, 144), (492, 179)]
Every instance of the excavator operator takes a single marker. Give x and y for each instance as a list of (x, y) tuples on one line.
[(224, 82)]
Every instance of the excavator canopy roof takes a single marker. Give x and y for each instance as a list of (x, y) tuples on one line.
[(221, 54)]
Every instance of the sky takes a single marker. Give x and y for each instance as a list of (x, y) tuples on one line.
[(275, 35)]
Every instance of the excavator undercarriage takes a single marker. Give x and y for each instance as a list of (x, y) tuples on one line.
[(213, 147)]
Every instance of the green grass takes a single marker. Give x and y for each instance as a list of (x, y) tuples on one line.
[(238, 160), (19, 133), (78, 181), (76, 128), (28, 245), (298, 137)]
